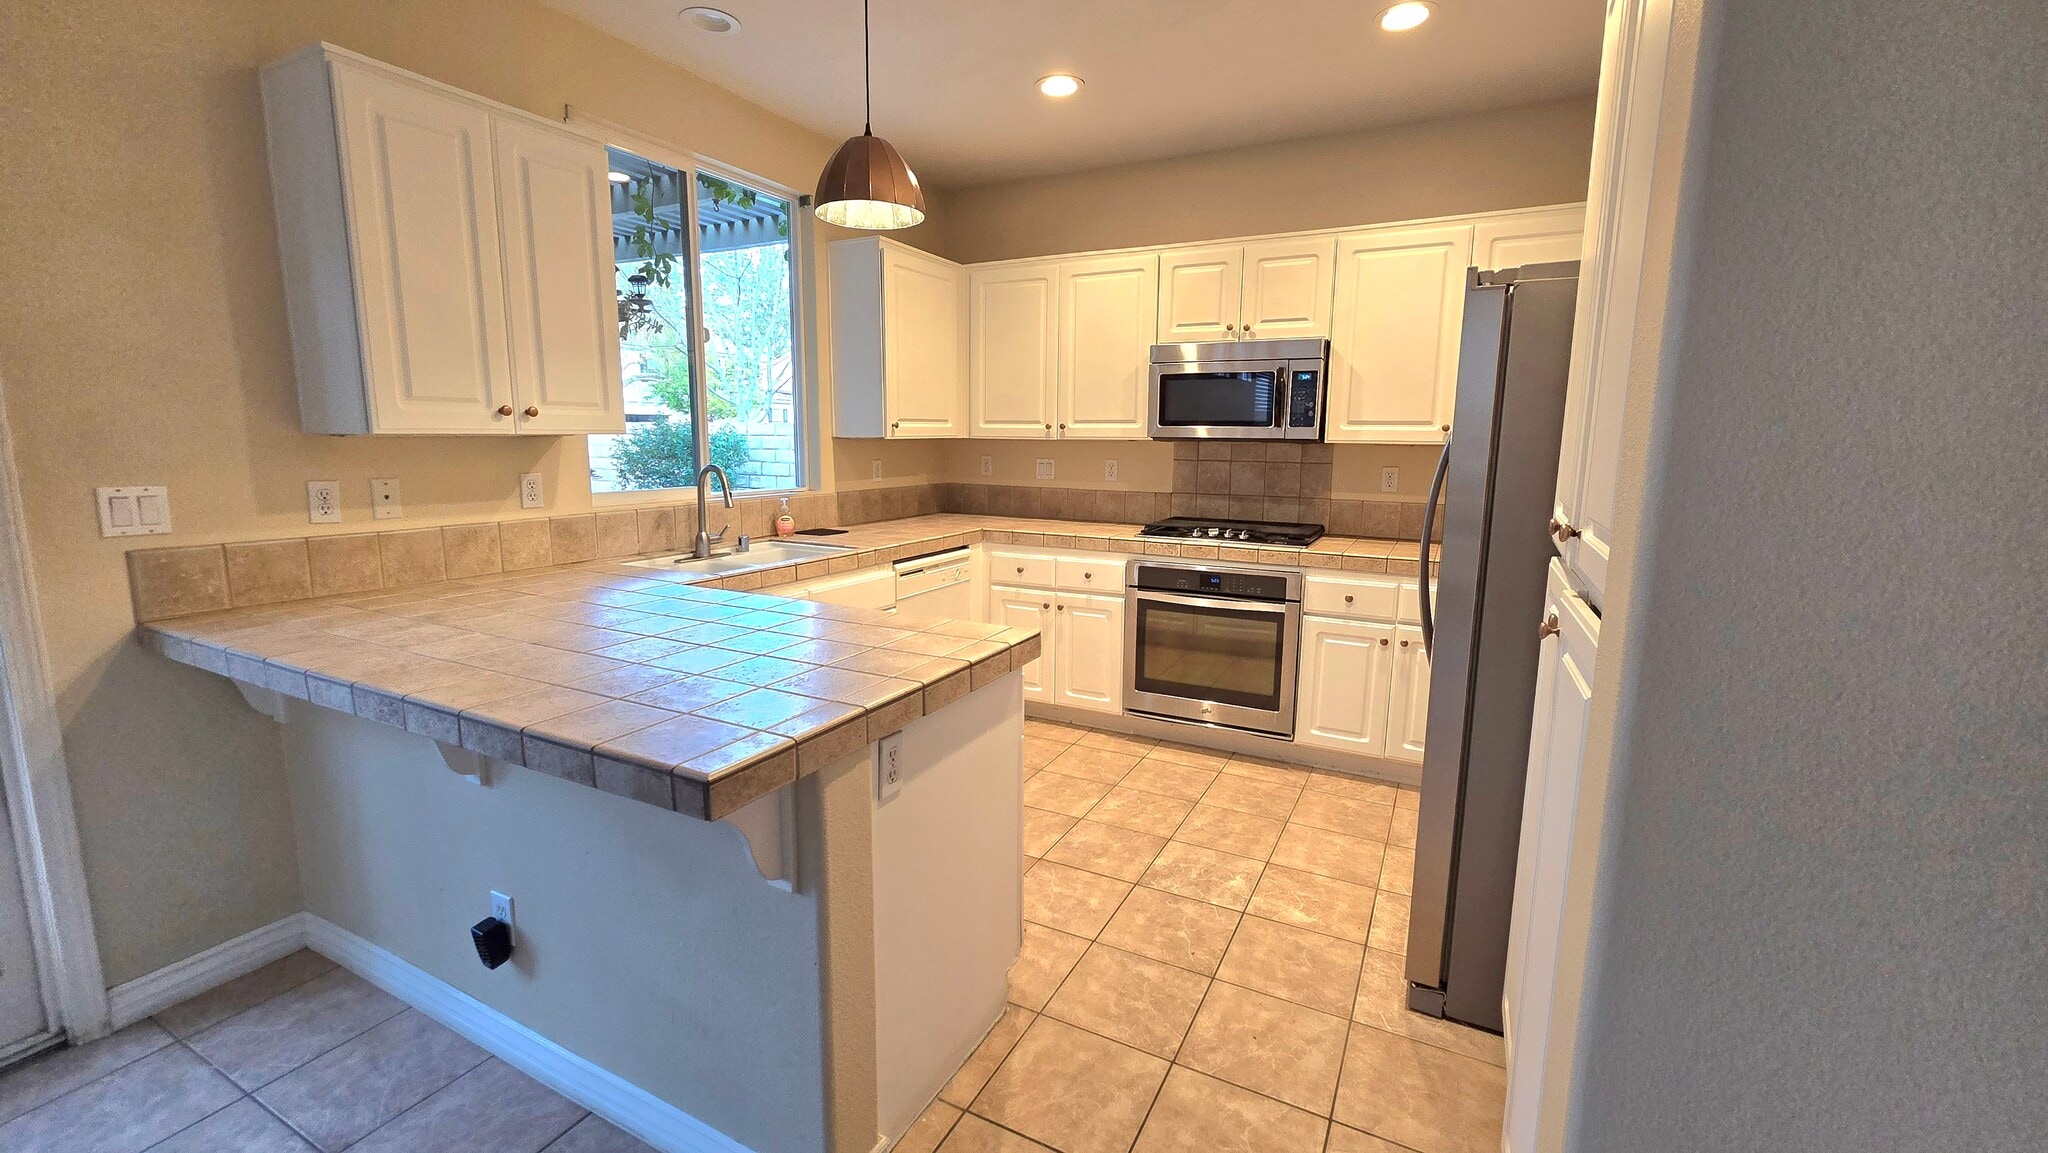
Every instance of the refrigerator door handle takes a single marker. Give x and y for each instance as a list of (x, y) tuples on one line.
[(1436, 489)]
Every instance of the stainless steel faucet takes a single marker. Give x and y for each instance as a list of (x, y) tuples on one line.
[(704, 538)]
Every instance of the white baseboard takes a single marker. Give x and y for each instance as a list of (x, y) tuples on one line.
[(611, 1097), (132, 1001)]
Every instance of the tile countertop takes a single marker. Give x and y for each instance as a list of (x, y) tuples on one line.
[(690, 694)]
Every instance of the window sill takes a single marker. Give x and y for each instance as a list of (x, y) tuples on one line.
[(647, 498)]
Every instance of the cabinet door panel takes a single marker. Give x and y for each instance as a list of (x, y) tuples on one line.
[(1345, 685), (1109, 308), (1013, 342), (1287, 288), (1089, 654), (423, 207), (1408, 710), (557, 225), (924, 351), (1024, 609), (1198, 293), (1564, 699), (1394, 333), (1534, 239)]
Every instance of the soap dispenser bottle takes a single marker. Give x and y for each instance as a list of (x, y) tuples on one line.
[(785, 524)]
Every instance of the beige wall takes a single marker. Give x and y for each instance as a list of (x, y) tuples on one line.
[(142, 341), (1517, 158)]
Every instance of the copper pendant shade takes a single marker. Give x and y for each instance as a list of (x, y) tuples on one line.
[(866, 184)]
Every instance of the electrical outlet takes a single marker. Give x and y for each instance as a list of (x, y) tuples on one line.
[(874, 470), (385, 502), (889, 766), (501, 906), (323, 501), (988, 466), (529, 490), (1109, 469), (1390, 480), (1044, 468)]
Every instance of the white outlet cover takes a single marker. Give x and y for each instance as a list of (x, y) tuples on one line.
[(1044, 468), (134, 510), (531, 494), (1109, 469), (1390, 479), (874, 470), (889, 766), (988, 466), (385, 501), (323, 501), (501, 906)]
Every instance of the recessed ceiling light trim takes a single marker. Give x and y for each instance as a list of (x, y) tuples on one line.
[(1059, 85), (716, 21), (1406, 15)]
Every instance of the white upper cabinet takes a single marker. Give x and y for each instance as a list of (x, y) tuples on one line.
[(1199, 293), (1394, 333), (899, 341), (434, 284), (556, 222), (1262, 291), (1109, 310), (1013, 347), (1528, 238), (1287, 286)]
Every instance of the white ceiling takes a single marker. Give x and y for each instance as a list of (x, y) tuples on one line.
[(955, 80)]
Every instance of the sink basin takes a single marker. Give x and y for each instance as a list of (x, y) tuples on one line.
[(764, 554)]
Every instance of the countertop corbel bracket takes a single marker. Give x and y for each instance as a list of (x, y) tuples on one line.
[(466, 763), (767, 827), (269, 702)]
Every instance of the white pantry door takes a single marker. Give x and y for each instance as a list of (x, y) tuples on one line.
[(21, 997)]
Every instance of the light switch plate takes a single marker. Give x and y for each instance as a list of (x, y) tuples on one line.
[(1044, 468), (530, 491), (1390, 479), (874, 470), (323, 501), (889, 766), (134, 510), (1109, 469), (385, 501)]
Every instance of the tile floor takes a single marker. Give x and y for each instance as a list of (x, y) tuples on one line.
[(294, 1057), (1212, 962)]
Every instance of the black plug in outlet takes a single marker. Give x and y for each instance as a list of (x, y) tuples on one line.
[(493, 940)]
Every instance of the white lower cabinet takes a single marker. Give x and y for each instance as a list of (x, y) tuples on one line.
[(1408, 709), (1346, 674), (1088, 652), (1027, 609)]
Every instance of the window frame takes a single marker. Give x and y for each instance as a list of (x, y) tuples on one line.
[(801, 394)]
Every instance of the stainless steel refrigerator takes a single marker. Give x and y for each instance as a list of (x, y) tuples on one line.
[(1496, 480)]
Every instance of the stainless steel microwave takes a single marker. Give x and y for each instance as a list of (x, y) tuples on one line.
[(1239, 389)]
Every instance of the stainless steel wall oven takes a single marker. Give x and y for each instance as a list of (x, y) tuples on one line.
[(1213, 644)]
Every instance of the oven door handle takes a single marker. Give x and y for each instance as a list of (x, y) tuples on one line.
[(1160, 596)]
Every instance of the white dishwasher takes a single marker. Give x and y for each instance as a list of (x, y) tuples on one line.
[(939, 585)]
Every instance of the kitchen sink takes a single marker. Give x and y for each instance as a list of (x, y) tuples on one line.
[(763, 554)]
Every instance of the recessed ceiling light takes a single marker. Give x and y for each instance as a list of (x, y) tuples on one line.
[(713, 20), (1410, 14), (620, 178), (1059, 84)]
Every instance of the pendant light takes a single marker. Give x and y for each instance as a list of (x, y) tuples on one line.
[(866, 184)]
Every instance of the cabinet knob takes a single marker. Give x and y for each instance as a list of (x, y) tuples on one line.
[(1048, 426), (1404, 644), (531, 411), (1087, 576), (1549, 628), (1046, 605), (1562, 530), (504, 410), (1383, 642), (1061, 609), (1230, 328), (895, 424), (1020, 568), (1348, 598), (1063, 426)]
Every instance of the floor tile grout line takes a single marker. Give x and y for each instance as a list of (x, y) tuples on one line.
[(47, 1053), (245, 1096), (253, 1090), (296, 986), (359, 1140)]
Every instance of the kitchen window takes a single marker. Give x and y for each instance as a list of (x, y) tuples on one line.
[(706, 286)]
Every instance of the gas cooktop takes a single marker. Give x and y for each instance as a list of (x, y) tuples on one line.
[(1235, 531)]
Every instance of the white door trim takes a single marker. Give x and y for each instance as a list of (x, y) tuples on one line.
[(38, 785)]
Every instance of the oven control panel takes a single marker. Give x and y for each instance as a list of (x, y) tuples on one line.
[(1244, 584)]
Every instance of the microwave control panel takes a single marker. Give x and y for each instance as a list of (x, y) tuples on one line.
[(1302, 395)]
